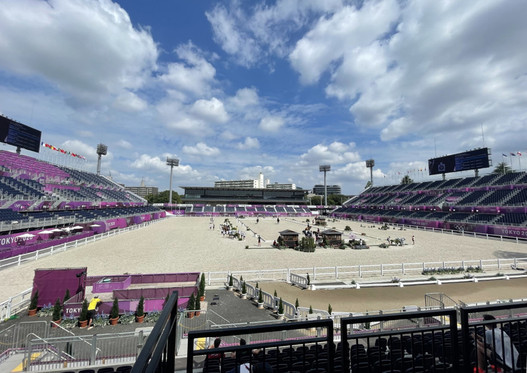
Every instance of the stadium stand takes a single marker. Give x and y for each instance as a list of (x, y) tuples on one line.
[(487, 204)]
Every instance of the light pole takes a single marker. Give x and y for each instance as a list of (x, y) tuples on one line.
[(101, 150), (171, 162), (325, 168), (370, 163)]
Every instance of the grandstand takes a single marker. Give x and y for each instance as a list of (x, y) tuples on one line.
[(493, 204)]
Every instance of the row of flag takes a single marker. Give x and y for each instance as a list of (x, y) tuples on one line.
[(512, 154), (63, 151)]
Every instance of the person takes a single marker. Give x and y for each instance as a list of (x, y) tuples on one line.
[(217, 355), (259, 240), (496, 347), (413, 240), (277, 220), (257, 220), (92, 308)]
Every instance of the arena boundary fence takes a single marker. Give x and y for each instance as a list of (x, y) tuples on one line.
[(373, 271), (35, 255)]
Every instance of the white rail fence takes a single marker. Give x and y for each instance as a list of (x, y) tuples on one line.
[(35, 255), (365, 272)]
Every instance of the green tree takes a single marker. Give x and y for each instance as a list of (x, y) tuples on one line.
[(336, 199), (406, 180), (502, 168), (368, 184), (162, 197), (316, 200)]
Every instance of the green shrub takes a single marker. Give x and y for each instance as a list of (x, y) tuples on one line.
[(57, 311), (280, 307), (84, 311), (34, 301), (114, 313), (260, 296), (140, 311)]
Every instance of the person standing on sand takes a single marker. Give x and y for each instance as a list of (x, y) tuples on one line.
[(413, 240), (259, 240)]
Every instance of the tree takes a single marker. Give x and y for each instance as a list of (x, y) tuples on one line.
[(368, 184), (406, 180), (84, 311), (162, 197), (57, 311), (316, 200), (336, 199), (502, 168), (114, 313)]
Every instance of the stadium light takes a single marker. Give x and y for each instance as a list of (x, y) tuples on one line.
[(370, 163), (325, 168), (101, 150), (171, 162)]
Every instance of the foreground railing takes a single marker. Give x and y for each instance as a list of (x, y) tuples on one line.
[(159, 351), (266, 345), (45, 354)]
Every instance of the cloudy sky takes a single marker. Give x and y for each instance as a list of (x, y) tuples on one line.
[(234, 88)]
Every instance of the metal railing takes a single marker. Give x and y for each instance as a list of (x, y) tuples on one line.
[(159, 351), (509, 327), (278, 340)]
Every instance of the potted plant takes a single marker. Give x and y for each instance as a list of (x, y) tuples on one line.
[(244, 290), (57, 313), (197, 307), (66, 296), (260, 300), (330, 309), (32, 310), (231, 282), (140, 311), (202, 287), (280, 309), (114, 313), (83, 317), (190, 306)]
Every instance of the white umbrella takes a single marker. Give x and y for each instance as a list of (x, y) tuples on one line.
[(95, 225), (77, 227), (26, 235), (56, 230), (45, 232)]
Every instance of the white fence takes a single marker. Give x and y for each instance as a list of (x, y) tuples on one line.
[(370, 271), (35, 255), (14, 304)]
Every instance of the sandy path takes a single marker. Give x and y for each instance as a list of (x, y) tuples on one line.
[(187, 244)]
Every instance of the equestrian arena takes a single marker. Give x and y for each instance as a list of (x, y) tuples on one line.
[(185, 244)]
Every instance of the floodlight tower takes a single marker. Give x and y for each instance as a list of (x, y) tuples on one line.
[(325, 168), (370, 163), (171, 162), (101, 150)]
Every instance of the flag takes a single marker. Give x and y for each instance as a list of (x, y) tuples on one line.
[(519, 153), (514, 155), (503, 154)]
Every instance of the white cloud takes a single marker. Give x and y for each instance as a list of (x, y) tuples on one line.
[(271, 123), (245, 97), (252, 33), (210, 111), (249, 143), (78, 147), (201, 149), (335, 153), (124, 144), (195, 75), (337, 35), (87, 48), (129, 102)]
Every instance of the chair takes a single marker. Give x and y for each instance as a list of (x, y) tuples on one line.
[(106, 370)]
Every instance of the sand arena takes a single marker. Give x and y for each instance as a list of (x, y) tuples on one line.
[(181, 244)]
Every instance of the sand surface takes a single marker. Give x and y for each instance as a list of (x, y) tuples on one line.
[(181, 244)]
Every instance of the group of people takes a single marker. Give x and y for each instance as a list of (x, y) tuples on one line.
[(246, 359)]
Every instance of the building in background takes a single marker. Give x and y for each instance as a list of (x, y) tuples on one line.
[(263, 196), (281, 186), (259, 183), (332, 189), (143, 190)]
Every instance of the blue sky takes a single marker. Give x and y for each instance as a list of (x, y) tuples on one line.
[(234, 88)]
